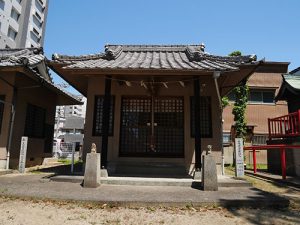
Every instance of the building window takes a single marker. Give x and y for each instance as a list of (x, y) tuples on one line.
[(2, 99), (256, 96), (38, 16), (205, 117), (14, 14), (2, 4), (261, 96), (34, 37), (98, 115), (12, 33), (37, 21), (260, 139), (39, 5), (35, 121), (226, 138), (36, 32)]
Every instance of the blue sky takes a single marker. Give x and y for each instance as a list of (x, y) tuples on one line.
[(267, 28)]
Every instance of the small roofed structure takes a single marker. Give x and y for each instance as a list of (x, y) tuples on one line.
[(285, 130), (290, 90), (155, 105), (28, 98)]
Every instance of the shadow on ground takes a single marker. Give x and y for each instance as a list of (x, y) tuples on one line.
[(288, 183), (63, 169)]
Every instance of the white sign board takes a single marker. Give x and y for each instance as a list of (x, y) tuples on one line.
[(23, 151), (239, 157)]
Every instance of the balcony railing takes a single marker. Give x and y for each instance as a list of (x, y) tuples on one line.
[(285, 126)]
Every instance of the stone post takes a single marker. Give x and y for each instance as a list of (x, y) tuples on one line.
[(209, 172), (92, 169)]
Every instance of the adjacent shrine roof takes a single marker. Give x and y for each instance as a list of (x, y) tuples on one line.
[(34, 60), (290, 84), (154, 57), (21, 56)]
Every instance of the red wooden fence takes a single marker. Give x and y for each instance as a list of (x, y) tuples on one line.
[(285, 126)]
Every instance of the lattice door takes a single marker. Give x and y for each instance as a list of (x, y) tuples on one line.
[(152, 130)]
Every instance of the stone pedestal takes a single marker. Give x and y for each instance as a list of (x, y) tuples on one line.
[(92, 170), (209, 174)]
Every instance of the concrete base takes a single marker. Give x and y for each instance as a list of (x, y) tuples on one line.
[(209, 174), (92, 170), (136, 196), (2, 164), (223, 181), (197, 175), (104, 173)]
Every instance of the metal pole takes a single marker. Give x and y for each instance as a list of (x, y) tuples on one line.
[(73, 152), (57, 122)]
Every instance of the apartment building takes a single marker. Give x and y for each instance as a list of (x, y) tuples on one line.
[(22, 23), (69, 121)]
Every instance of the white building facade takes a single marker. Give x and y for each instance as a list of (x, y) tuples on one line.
[(70, 119), (22, 23)]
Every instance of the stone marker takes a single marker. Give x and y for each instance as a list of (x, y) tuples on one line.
[(92, 169), (209, 172)]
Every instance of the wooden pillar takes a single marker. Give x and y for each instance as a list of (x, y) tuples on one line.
[(105, 121), (197, 123), (283, 162), (254, 160)]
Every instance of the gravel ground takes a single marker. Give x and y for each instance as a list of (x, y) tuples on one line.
[(27, 212)]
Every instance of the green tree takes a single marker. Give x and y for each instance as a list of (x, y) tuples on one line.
[(235, 53), (239, 109), (225, 102)]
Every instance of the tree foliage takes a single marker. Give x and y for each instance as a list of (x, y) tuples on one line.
[(235, 53), (225, 102), (239, 109)]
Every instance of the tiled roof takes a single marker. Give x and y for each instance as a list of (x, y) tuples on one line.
[(20, 57), (295, 71), (34, 60), (154, 57), (292, 80), (290, 84)]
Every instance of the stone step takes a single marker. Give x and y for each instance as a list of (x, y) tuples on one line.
[(148, 170), (223, 181)]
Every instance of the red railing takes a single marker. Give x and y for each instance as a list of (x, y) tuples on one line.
[(285, 126), (282, 149)]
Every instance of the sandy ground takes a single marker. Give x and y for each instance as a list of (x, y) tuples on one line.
[(27, 212)]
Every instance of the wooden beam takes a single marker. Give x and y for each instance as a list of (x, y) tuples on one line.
[(105, 121), (197, 123)]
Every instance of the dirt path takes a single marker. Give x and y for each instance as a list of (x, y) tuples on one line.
[(26, 212)]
